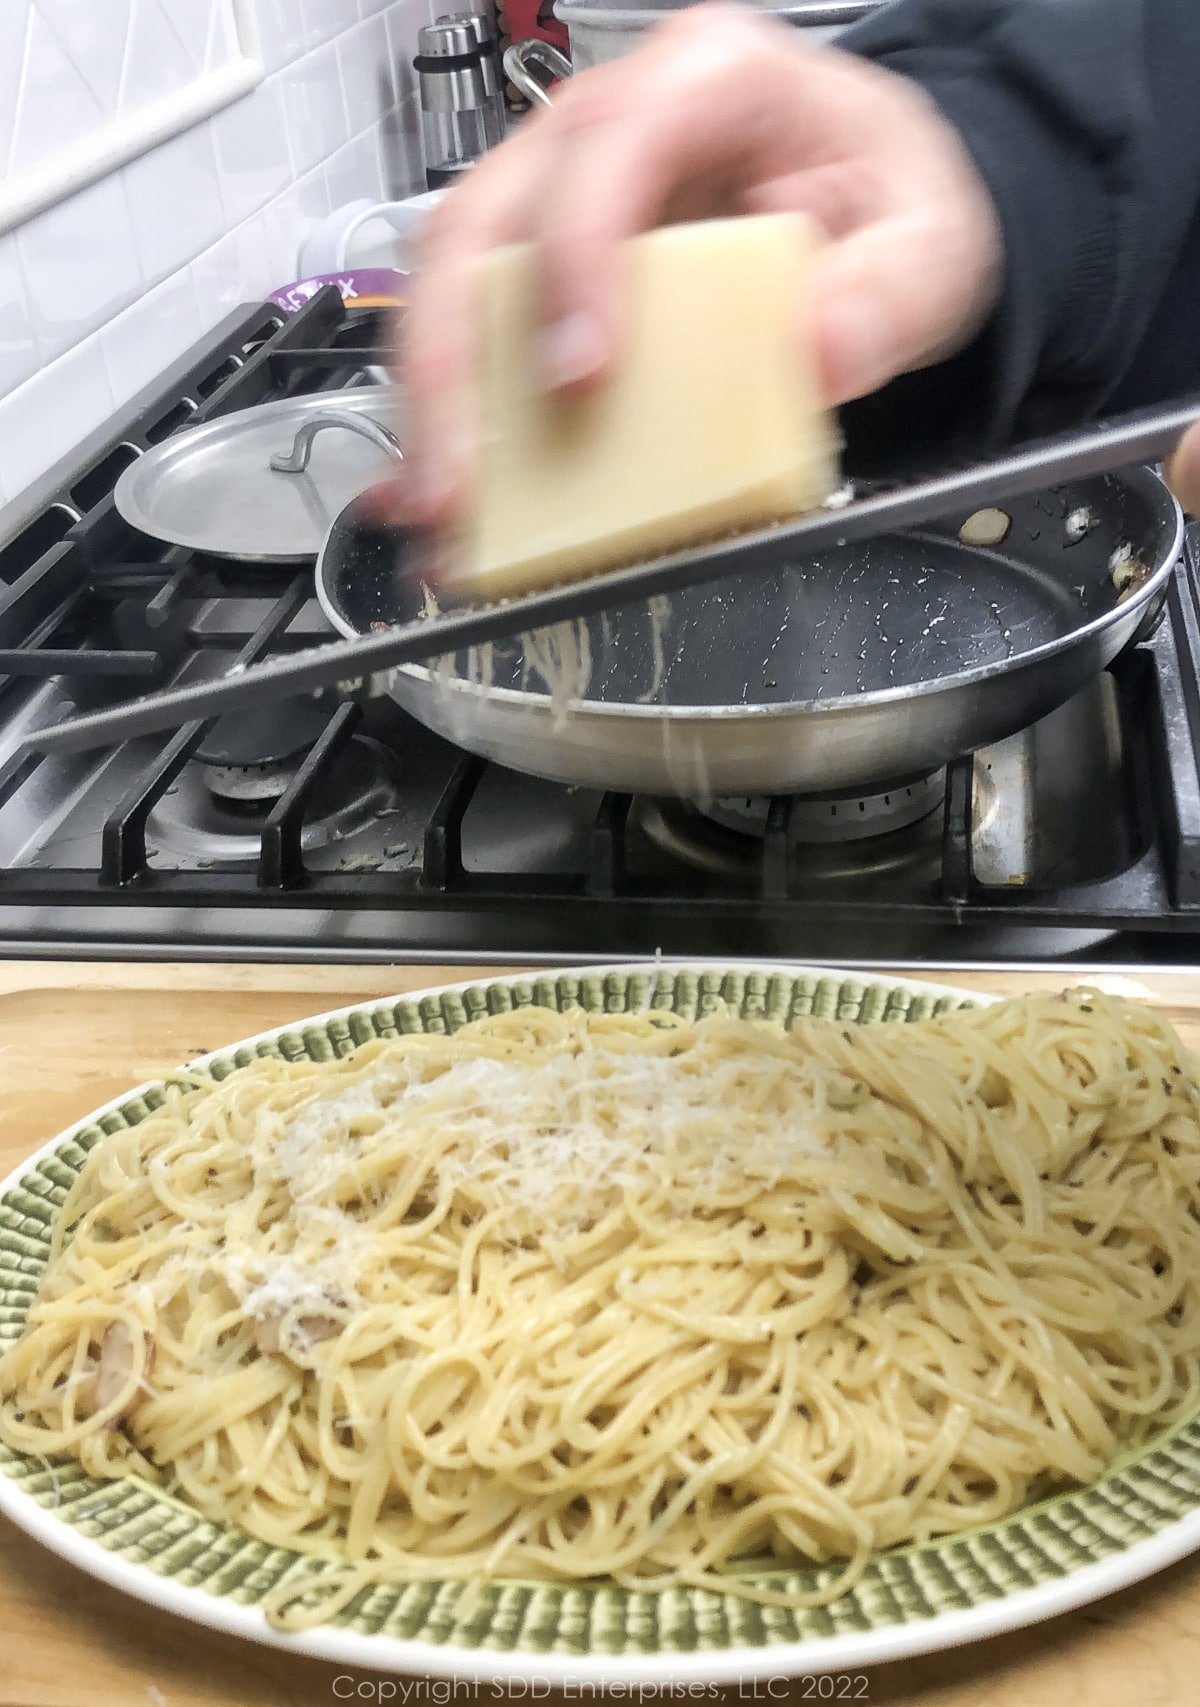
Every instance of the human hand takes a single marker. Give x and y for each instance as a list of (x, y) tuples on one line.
[(1183, 471), (721, 112)]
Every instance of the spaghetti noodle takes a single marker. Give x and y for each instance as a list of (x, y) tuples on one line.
[(620, 1296)]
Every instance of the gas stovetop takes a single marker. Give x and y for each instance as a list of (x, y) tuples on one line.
[(352, 832)]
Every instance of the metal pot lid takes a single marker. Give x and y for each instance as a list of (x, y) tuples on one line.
[(213, 488)]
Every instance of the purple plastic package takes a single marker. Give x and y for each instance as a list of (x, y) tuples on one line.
[(361, 287)]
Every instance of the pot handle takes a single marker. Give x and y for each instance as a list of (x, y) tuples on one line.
[(296, 460), (522, 56)]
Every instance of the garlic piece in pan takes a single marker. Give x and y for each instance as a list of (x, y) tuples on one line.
[(985, 527), (1079, 523)]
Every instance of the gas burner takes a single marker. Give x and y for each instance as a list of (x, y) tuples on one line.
[(264, 737), (214, 814), (842, 815), (248, 785), (834, 836)]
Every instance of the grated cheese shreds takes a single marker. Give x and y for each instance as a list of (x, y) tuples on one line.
[(554, 1147), (559, 656)]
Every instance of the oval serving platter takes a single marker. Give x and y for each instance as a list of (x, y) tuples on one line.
[(1069, 1550)]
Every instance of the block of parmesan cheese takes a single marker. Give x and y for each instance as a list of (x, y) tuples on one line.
[(712, 424)]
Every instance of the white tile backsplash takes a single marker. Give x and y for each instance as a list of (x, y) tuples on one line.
[(102, 292), (326, 19), (351, 167), (316, 113), (14, 27), (18, 347), (156, 61), (55, 105), (289, 219), (402, 23), (368, 83), (80, 265), (194, 26), (282, 30), (234, 271), (254, 162), (144, 340), (175, 200), (222, 43), (92, 62), (62, 405), (94, 37)]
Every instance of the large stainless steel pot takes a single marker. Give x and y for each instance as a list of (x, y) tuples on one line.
[(872, 663), (601, 30)]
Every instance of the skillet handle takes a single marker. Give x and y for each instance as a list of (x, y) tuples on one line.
[(296, 460), (522, 55)]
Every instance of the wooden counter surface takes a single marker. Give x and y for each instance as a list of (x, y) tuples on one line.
[(74, 1035)]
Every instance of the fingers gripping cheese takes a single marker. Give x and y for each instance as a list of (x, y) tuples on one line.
[(712, 424)]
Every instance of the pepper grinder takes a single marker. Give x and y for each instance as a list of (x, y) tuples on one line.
[(462, 101)]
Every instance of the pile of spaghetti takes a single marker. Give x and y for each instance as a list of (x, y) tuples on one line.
[(622, 1296)]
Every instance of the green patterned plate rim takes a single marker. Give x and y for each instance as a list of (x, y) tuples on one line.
[(1063, 1553)]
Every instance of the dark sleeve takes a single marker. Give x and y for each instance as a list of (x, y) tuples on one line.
[(1083, 117)]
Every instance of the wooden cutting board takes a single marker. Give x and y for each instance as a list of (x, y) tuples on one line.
[(74, 1035)]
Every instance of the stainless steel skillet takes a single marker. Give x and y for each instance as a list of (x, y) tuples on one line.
[(865, 663), (1049, 466)]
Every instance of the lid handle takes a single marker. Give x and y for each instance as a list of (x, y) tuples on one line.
[(296, 460)]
